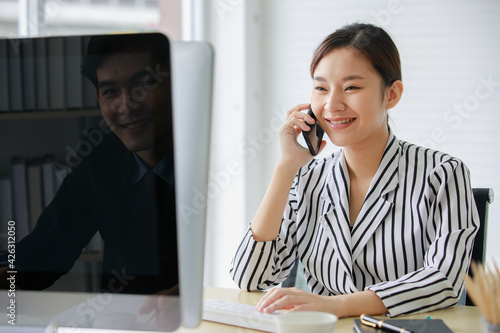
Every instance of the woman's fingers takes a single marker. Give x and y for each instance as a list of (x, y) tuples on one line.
[(297, 121), (292, 152), (294, 299), (298, 108), (286, 302), (280, 299), (298, 118), (267, 299)]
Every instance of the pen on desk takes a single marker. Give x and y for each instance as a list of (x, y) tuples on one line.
[(376, 323)]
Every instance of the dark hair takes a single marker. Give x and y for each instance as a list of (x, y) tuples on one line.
[(101, 47), (369, 40)]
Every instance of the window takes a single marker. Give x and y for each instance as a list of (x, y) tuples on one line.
[(63, 17)]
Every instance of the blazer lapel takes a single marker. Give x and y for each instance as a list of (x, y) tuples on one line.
[(335, 218), (376, 206)]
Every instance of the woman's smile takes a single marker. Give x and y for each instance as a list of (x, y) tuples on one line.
[(340, 123)]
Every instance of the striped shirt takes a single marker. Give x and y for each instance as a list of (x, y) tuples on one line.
[(411, 242)]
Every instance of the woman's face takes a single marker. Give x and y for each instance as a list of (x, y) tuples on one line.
[(347, 99)]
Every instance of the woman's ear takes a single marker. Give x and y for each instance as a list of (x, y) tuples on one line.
[(394, 94)]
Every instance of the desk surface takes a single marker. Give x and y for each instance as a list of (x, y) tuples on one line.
[(461, 319)]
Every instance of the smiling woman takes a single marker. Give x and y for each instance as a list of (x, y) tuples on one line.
[(349, 107), (381, 226)]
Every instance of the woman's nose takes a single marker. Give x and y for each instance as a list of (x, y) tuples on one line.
[(335, 102)]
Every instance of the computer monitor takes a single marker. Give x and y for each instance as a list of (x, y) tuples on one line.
[(78, 136)]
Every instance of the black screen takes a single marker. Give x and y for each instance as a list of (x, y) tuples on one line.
[(86, 166)]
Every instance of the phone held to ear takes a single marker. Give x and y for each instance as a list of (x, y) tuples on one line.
[(314, 136)]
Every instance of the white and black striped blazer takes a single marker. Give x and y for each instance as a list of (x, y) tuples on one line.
[(411, 242)]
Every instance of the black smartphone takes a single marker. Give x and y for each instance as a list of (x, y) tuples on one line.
[(314, 136)]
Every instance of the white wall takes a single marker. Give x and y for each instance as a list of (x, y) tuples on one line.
[(451, 61), (263, 49), (226, 199)]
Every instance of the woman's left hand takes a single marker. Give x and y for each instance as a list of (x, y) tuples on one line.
[(295, 299), (347, 305)]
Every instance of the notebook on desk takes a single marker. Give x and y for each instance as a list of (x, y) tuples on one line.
[(414, 325)]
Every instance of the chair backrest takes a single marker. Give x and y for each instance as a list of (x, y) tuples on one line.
[(483, 197), (296, 277)]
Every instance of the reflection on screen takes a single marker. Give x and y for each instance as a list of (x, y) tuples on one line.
[(90, 165)]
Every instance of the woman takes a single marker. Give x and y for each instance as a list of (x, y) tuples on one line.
[(382, 226)]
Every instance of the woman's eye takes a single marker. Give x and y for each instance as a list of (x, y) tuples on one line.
[(351, 88), (320, 88)]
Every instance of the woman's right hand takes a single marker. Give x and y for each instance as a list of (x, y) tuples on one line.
[(267, 221), (292, 153)]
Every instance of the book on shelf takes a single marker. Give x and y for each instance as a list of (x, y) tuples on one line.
[(55, 72), (89, 97), (27, 191), (33, 185), (5, 209), (28, 72), (4, 77), (15, 74), (72, 76), (35, 192), (49, 183), (41, 74), (20, 196), (42, 83)]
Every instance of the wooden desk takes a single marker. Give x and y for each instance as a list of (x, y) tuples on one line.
[(461, 319)]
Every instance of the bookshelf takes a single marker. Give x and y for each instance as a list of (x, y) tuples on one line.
[(45, 107), (34, 137), (50, 114)]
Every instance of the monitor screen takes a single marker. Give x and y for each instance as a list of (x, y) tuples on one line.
[(99, 167)]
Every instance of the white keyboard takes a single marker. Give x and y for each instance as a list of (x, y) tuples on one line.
[(237, 314)]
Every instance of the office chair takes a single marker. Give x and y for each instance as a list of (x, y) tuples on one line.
[(296, 277), (483, 198)]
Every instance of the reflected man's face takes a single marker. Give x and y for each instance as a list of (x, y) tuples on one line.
[(134, 96)]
